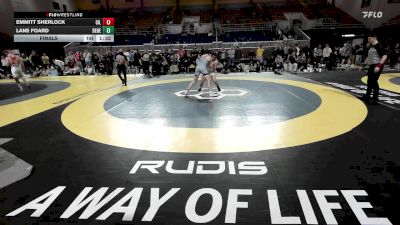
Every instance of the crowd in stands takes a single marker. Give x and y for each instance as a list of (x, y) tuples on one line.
[(238, 36), (287, 58), (322, 57)]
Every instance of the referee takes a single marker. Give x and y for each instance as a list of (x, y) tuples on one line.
[(376, 60), (121, 65)]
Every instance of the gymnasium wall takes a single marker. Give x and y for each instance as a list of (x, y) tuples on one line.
[(7, 16), (354, 9), (132, 4), (41, 5)]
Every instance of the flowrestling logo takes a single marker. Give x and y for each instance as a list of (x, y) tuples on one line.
[(372, 14)]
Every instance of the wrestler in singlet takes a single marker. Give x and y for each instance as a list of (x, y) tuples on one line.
[(201, 69), (212, 69), (16, 64)]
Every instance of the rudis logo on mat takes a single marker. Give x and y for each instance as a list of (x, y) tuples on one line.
[(202, 167)]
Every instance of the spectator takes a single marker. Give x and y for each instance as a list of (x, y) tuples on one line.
[(326, 53), (302, 61), (348, 65), (259, 54), (26, 62), (290, 64), (286, 49), (45, 60), (88, 57), (296, 49), (318, 53), (155, 64), (89, 70), (71, 69), (38, 72), (83, 61), (109, 63), (279, 33), (238, 55), (192, 67), (185, 63), (181, 53), (102, 65), (59, 66), (343, 52), (69, 60), (46, 71), (359, 55), (4, 65), (174, 69), (3, 74), (278, 64), (35, 60), (95, 62), (279, 51), (252, 56), (137, 57), (231, 57), (222, 56), (194, 53), (269, 59), (335, 56), (78, 63), (146, 63), (131, 59), (394, 56), (52, 71), (202, 51), (164, 64)]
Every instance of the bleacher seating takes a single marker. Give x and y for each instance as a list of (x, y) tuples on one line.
[(186, 39), (277, 13), (338, 15), (123, 20), (243, 36), (132, 40), (240, 17), (249, 17), (148, 19), (205, 17), (395, 20), (140, 20)]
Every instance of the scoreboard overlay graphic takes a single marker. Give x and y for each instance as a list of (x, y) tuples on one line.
[(62, 27)]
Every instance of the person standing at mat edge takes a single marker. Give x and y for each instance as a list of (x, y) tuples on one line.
[(121, 65), (376, 60)]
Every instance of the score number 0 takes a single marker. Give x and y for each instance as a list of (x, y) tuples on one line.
[(108, 21)]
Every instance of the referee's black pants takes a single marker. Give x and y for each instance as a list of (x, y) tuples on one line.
[(372, 84), (146, 67), (122, 69)]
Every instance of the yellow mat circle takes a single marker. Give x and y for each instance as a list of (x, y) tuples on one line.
[(385, 83), (338, 113)]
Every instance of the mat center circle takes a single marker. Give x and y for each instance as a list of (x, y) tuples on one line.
[(395, 80), (263, 103)]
